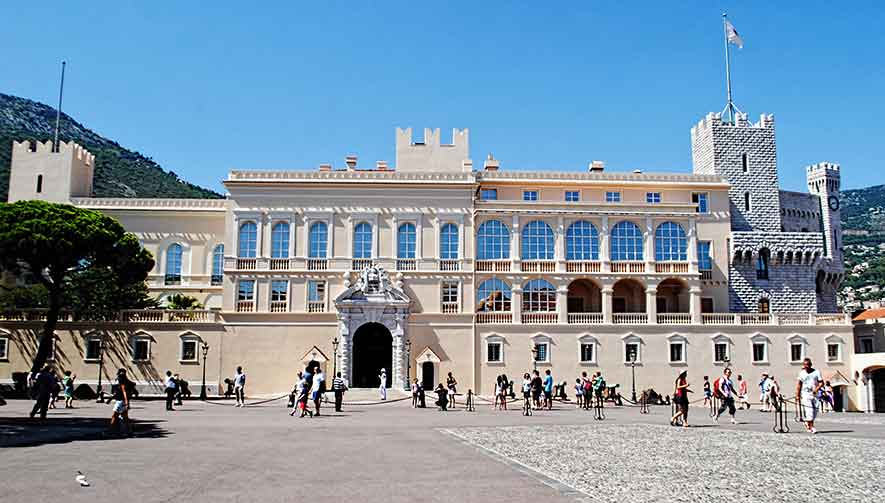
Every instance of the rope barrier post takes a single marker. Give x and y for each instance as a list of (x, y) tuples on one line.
[(800, 413), (643, 403), (780, 415), (714, 405), (599, 405), (470, 407)]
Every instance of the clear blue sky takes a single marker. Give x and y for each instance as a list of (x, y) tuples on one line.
[(289, 85)]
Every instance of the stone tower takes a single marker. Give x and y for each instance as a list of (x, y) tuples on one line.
[(746, 155), (40, 172), (824, 181)]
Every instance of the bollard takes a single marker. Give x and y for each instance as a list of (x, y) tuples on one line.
[(800, 413), (780, 415), (470, 407), (643, 403)]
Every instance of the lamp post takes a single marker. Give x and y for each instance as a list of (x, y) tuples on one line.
[(205, 348), (335, 343), (633, 369), (98, 389), (408, 361)]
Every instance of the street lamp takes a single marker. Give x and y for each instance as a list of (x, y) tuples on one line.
[(205, 348), (98, 390), (408, 361), (335, 343), (633, 368)]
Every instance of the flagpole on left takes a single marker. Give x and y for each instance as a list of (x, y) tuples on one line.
[(729, 106)]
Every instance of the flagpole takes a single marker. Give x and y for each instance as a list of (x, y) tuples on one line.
[(61, 89), (729, 106)]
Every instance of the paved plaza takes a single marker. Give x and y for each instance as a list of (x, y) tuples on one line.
[(391, 452)]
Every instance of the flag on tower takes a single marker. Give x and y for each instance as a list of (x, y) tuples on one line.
[(732, 35)]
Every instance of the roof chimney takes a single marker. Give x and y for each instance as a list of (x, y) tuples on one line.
[(637, 171), (491, 164), (597, 166), (381, 166), (325, 167), (351, 162)]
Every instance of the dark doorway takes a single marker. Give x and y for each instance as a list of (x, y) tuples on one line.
[(838, 398), (372, 351), (879, 390), (427, 377)]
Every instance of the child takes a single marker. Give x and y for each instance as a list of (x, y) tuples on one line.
[(708, 393), (498, 394), (68, 384), (579, 392)]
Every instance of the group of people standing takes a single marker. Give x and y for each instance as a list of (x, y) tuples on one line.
[(310, 386), (46, 387), (176, 389)]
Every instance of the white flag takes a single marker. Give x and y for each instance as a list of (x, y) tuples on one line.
[(732, 35)]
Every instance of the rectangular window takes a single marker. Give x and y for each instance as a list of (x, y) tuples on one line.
[(4, 348), (613, 197), (759, 352), (188, 350), (541, 352), (797, 352), (587, 355), (705, 262), (700, 199), (833, 352), (279, 290), (493, 352), (530, 195), (93, 349), (677, 352), (720, 352), (141, 350), (246, 291), (745, 163), (707, 305), (866, 345), (652, 197), (450, 292), (316, 291), (488, 194), (572, 196), (631, 352)]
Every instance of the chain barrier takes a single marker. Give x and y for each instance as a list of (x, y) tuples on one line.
[(469, 404), (781, 424)]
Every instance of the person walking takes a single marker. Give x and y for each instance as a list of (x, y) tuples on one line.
[(680, 398), (499, 393), (180, 388), (505, 392), (44, 383), (579, 392), (774, 394), (537, 387), (548, 390), (415, 393), (808, 386), (56, 389), (743, 392), (587, 383), (382, 388), (764, 395), (121, 396), (451, 385), (723, 387), (171, 388), (318, 388), (68, 388), (526, 389), (240, 387), (421, 397)]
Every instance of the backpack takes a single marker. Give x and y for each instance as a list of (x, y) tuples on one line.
[(717, 388), (601, 383), (587, 385)]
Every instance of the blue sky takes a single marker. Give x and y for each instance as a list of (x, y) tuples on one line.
[(288, 85)]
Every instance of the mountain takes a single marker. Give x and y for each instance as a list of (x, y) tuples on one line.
[(863, 243), (119, 172)]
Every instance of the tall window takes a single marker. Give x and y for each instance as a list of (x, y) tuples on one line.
[(318, 240), (700, 199), (405, 241), (279, 289), (537, 241), (493, 241), (670, 242), (626, 242), (705, 262), (173, 264), (488, 194), (493, 295), (246, 291), (362, 240), (582, 241), (762, 264), (538, 295), (279, 240), (316, 295), (248, 240), (218, 264), (745, 163), (746, 201), (448, 242)]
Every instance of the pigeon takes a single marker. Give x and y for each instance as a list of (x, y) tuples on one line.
[(81, 479)]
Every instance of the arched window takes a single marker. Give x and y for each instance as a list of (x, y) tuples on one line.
[(493, 241), (582, 241), (248, 240), (670, 242), (405, 241), (318, 240), (538, 295), (279, 240), (173, 264), (626, 242), (362, 240), (217, 264), (448, 242), (493, 295), (537, 241), (762, 264)]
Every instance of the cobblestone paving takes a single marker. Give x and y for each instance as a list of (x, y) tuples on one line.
[(639, 463)]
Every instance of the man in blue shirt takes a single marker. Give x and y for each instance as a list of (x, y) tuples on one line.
[(548, 389)]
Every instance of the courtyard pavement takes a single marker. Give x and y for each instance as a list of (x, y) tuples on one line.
[(393, 453)]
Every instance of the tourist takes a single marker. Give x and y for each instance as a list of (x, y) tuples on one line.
[(508, 387), (763, 393), (548, 390), (723, 388), (588, 390), (808, 385), (537, 387), (526, 388), (122, 395), (579, 392), (382, 388), (708, 394), (680, 399), (68, 385), (442, 397), (43, 384), (318, 388), (505, 386), (339, 387), (499, 392), (450, 385), (826, 397), (56, 389), (240, 387), (297, 393), (180, 389), (599, 388), (743, 392), (773, 394), (421, 397), (171, 387), (415, 393)]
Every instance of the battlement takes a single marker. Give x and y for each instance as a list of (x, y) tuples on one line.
[(38, 171), (431, 154), (78, 152), (714, 120), (823, 176)]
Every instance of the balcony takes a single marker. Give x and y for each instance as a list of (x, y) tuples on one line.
[(674, 318), (245, 306), (406, 264), (547, 318), (707, 275), (316, 307), (628, 266), (630, 318), (583, 266), (278, 264), (487, 317), (317, 264), (585, 318), (246, 264), (538, 266), (279, 306), (492, 266), (671, 267), (450, 308), (168, 316), (447, 265), (358, 264)]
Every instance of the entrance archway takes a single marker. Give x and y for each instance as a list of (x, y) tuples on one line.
[(372, 351)]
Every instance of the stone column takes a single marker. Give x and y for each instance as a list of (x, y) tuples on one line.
[(562, 303), (559, 247), (694, 295), (292, 234), (344, 347), (514, 243), (607, 291), (604, 246), (651, 304), (516, 302), (692, 245), (871, 393), (648, 245)]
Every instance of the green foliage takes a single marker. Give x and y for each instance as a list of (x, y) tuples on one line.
[(182, 302), (23, 297)]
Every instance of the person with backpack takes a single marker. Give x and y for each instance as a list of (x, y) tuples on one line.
[(724, 390), (587, 384), (680, 399), (599, 387), (171, 389), (240, 387)]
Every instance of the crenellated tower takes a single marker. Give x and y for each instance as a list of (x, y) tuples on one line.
[(39, 171), (824, 181)]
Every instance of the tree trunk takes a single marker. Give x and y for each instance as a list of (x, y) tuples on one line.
[(45, 346)]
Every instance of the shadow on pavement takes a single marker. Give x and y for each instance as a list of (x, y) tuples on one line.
[(27, 432)]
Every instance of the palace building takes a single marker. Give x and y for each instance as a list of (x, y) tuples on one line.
[(436, 265)]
